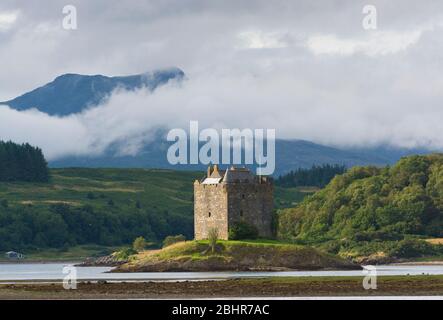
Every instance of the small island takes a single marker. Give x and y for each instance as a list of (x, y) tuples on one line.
[(254, 255)]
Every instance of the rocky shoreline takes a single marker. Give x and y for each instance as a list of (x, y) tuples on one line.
[(105, 261)]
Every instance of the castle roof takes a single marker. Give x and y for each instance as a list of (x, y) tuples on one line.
[(238, 175), (212, 180), (230, 175)]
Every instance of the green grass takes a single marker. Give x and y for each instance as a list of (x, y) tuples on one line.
[(167, 190), (162, 189), (246, 242)]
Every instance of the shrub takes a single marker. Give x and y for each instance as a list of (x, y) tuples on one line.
[(376, 235), (169, 240), (124, 254), (410, 248), (139, 244), (243, 230), (332, 247)]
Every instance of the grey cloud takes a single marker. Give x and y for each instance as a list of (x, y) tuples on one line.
[(353, 99)]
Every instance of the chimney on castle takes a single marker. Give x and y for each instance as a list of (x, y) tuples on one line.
[(209, 171), (215, 172)]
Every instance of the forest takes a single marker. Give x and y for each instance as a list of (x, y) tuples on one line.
[(22, 163), (372, 210), (30, 227), (316, 176)]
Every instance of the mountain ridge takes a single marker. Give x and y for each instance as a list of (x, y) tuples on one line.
[(290, 155), (72, 93)]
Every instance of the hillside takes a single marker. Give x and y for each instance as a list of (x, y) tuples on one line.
[(372, 212), (233, 256), (107, 207), (72, 93)]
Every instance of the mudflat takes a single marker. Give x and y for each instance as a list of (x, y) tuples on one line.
[(263, 287)]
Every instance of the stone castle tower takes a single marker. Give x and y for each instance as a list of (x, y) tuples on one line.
[(223, 198)]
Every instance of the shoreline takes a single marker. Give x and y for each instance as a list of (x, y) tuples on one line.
[(42, 262), (418, 263), (425, 286), (81, 263)]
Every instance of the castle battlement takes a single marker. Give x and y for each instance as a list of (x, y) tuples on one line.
[(225, 197)]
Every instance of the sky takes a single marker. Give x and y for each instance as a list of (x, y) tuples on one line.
[(305, 68)]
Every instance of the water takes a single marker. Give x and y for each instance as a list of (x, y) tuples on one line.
[(54, 272)]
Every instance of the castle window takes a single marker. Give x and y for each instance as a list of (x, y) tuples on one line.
[(243, 196), (241, 213), (209, 214)]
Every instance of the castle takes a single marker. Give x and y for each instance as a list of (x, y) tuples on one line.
[(226, 197)]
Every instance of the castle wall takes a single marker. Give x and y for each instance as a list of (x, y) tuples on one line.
[(251, 203), (210, 198)]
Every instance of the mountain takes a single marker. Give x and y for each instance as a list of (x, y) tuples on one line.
[(290, 155), (72, 93), (293, 154)]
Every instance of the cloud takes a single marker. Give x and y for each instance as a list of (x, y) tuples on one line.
[(306, 68), (296, 108), (56, 136), (7, 20), (262, 40), (375, 43)]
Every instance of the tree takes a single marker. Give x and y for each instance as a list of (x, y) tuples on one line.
[(213, 237), (139, 244), (242, 231)]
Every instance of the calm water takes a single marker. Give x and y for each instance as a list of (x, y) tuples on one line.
[(54, 272)]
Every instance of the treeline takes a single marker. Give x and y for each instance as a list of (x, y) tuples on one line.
[(22, 163), (317, 176), (60, 225)]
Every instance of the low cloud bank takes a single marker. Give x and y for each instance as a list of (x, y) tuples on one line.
[(296, 108)]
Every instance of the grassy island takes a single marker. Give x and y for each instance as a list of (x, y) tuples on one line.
[(254, 255)]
